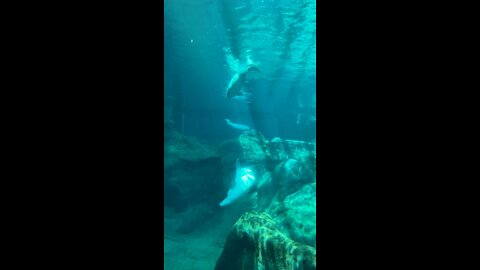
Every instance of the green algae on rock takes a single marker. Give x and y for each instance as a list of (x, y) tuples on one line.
[(256, 243), (254, 146), (296, 215)]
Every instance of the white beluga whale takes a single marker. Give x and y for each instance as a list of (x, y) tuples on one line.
[(237, 126), (237, 82), (244, 183)]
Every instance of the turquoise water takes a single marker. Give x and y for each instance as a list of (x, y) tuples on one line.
[(262, 54), (204, 40)]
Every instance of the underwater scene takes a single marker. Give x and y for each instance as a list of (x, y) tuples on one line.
[(239, 134)]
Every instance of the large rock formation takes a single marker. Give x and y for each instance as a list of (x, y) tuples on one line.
[(256, 243), (191, 172), (180, 150), (296, 214), (197, 177), (286, 188), (254, 147)]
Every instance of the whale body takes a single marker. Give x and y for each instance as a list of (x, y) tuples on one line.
[(235, 86), (244, 182), (237, 126)]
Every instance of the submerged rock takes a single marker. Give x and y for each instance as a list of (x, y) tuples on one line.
[(266, 191), (296, 215), (256, 243), (179, 148), (294, 168), (285, 171), (279, 150), (291, 175), (191, 172), (229, 151), (254, 147), (198, 176)]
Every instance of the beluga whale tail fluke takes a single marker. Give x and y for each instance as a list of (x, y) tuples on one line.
[(237, 126), (245, 182)]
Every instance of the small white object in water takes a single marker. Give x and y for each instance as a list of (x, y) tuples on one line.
[(237, 126)]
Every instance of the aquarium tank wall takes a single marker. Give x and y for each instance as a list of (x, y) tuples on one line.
[(240, 134)]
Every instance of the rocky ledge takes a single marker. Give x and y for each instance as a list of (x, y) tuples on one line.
[(255, 242)]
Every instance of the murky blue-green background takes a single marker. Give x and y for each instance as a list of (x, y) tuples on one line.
[(280, 35)]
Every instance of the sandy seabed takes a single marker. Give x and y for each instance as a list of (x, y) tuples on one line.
[(200, 249)]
